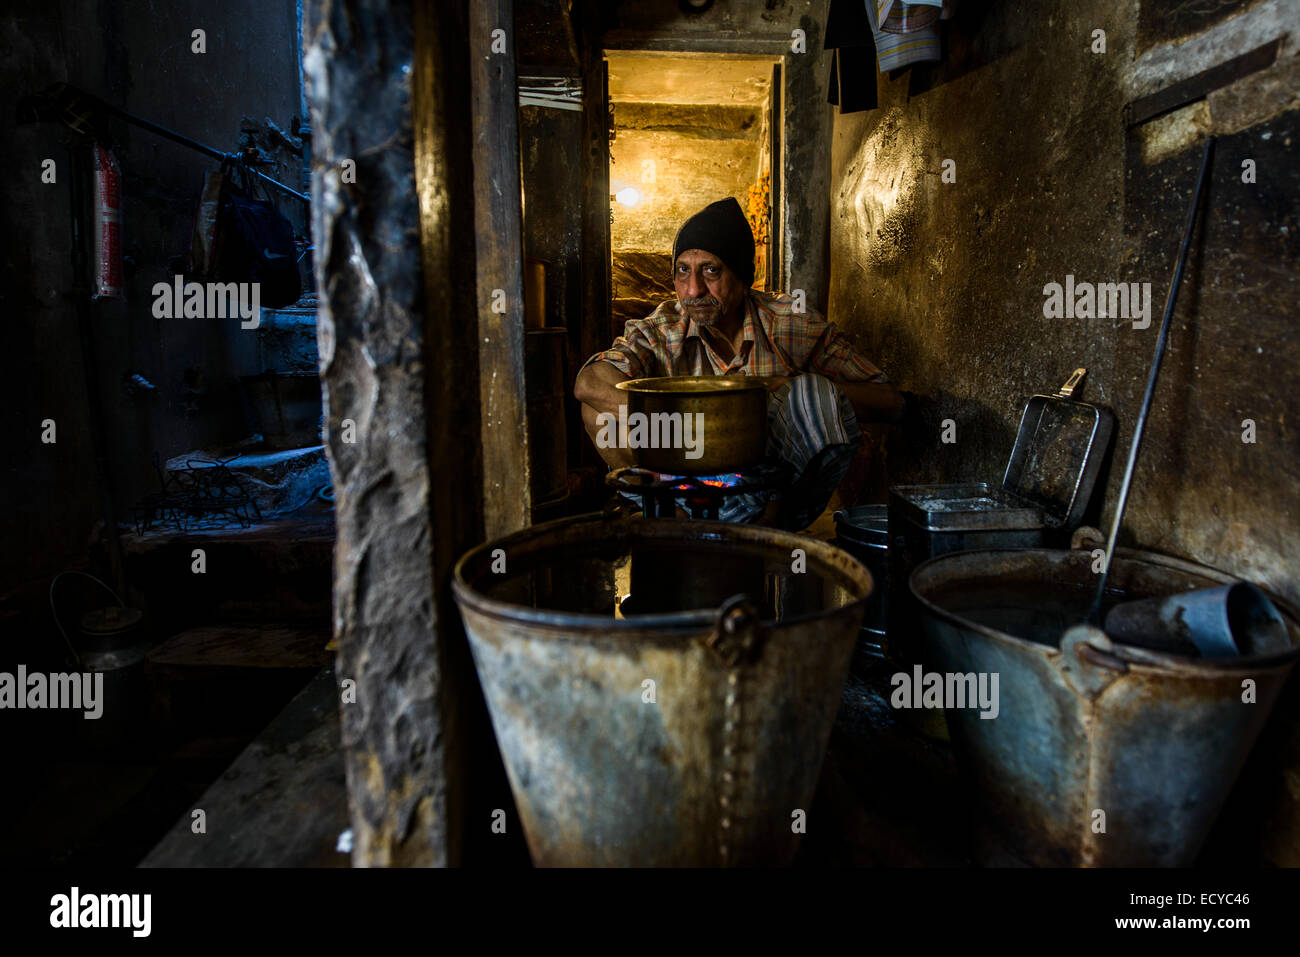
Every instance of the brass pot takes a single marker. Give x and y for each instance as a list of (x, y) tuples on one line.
[(696, 425)]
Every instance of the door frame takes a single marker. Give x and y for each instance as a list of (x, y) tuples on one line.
[(804, 208)]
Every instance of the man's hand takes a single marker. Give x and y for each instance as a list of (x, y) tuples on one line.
[(594, 388)]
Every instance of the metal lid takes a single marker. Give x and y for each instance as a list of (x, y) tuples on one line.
[(1058, 452)]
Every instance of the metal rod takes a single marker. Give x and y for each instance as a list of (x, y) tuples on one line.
[(81, 192), (1094, 615), (194, 145)]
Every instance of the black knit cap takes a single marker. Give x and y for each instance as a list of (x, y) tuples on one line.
[(722, 229)]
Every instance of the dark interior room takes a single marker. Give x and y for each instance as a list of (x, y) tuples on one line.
[(835, 435)]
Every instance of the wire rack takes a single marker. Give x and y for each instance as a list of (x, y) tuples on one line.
[(205, 494)]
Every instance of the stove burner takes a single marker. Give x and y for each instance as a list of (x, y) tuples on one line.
[(700, 495)]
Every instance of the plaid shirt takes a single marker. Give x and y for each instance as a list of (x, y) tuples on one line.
[(777, 341)]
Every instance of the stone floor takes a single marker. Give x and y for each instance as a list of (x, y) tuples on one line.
[(282, 803)]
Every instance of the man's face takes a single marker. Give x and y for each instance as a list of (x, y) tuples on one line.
[(707, 289)]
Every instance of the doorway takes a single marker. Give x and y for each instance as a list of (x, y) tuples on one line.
[(687, 129)]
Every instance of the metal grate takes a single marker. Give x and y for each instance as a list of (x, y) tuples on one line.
[(206, 494)]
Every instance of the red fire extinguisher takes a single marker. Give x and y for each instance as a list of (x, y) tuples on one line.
[(108, 225)]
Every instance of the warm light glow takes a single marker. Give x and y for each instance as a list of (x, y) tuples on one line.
[(628, 196)]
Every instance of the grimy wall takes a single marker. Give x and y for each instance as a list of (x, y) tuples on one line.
[(942, 283), (139, 57)]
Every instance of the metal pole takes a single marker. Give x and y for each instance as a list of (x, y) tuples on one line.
[(79, 207), (1094, 616), (194, 145)]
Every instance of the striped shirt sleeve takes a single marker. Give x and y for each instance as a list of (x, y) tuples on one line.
[(833, 356)]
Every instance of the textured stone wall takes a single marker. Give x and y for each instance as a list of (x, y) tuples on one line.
[(387, 90), (942, 283)]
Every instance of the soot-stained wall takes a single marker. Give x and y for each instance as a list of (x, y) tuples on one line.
[(942, 283), (138, 57)]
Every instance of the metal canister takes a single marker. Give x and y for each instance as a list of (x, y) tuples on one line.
[(926, 521), (113, 649), (863, 532)]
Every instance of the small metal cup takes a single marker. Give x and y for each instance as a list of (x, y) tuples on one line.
[(1224, 622)]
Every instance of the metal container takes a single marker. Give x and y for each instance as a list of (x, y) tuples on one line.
[(113, 647), (926, 521), (1100, 753), (1046, 486), (731, 410), (684, 737), (1214, 622), (1058, 452), (535, 293), (863, 531)]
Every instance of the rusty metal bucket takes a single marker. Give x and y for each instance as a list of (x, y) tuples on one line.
[(689, 737), (1101, 754)]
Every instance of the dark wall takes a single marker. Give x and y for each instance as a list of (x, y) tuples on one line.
[(136, 56)]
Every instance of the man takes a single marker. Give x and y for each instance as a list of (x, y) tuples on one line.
[(718, 325)]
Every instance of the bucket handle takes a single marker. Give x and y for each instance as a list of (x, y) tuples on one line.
[(738, 633), (1086, 661)]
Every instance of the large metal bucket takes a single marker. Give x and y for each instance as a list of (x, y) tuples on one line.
[(1100, 754), (687, 737)]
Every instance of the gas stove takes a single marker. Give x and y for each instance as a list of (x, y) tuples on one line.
[(700, 496)]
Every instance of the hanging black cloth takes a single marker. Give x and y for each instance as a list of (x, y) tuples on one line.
[(852, 83), (256, 242)]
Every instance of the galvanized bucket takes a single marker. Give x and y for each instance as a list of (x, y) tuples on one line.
[(1101, 754), (688, 737)]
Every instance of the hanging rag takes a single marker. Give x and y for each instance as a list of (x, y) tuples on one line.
[(203, 238), (912, 33), (896, 16), (241, 237)]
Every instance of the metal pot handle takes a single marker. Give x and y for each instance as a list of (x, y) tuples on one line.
[(738, 633)]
